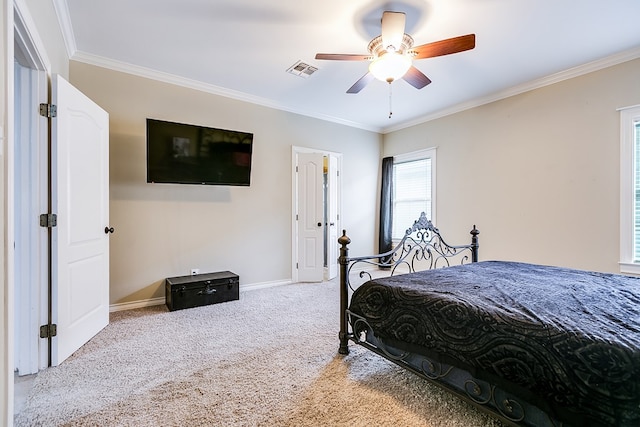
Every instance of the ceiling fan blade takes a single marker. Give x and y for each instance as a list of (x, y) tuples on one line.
[(344, 56), (361, 83), (392, 29), (445, 47), (416, 78)]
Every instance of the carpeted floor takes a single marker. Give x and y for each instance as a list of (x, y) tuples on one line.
[(269, 359)]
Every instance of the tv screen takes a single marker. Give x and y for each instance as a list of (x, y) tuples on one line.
[(189, 154)]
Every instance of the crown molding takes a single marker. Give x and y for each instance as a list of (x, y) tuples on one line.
[(580, 70), (590, 67), (64, 20), (149, 73)]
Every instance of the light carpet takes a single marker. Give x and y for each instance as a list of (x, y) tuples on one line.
[(269, 359)]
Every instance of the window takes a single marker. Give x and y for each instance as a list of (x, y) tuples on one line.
[(413, 189), (630, 190)]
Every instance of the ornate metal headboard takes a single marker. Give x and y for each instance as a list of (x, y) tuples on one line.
[(421, 248)]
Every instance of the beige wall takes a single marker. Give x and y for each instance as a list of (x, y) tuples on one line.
[(164, 230), (538, 172)]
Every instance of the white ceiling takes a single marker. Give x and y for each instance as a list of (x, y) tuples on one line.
[(242, 49)]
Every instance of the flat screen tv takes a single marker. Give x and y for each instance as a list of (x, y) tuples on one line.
[(188, 154)]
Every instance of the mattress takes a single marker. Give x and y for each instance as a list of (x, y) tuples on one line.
[(565, 340)]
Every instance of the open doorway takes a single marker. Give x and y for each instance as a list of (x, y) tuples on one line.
[(316, 203)]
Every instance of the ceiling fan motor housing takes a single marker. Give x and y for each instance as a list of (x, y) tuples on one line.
[(377, 48)]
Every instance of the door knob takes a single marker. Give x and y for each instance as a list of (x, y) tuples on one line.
[(108, 230), (319, 224)]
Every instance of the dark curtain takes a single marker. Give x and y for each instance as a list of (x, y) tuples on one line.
[(386, 207)]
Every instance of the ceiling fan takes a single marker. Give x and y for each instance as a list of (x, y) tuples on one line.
[(392, 52)]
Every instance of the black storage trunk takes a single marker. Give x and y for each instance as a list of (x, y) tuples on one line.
[(201, 289)]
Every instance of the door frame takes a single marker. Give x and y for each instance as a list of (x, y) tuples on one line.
[(32, 304), (295, 150), (21, 32)]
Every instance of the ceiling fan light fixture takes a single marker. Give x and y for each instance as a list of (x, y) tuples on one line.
[(390, 66)]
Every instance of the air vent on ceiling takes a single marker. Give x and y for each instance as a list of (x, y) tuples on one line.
[(301, 69)]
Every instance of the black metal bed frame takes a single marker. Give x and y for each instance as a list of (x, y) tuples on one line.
[(423, 248)]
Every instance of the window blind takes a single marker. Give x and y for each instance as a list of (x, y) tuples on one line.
[(412, 194)]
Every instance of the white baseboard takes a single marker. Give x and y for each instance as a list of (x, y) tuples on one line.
[(161, 300), (136, 304), (264, 285)]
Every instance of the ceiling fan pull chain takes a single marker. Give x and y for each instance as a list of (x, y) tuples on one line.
[(390, 109)]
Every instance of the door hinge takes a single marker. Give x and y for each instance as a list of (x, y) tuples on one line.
[(297, 266), (48, 220), (48, 331), (48, 110)]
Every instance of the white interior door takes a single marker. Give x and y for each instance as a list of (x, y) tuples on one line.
[(332, 209), (80, 198), (310, 230)]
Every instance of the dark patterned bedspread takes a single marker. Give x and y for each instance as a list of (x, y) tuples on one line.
[(565, 340)]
